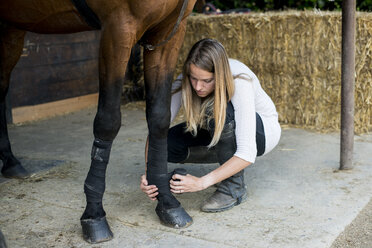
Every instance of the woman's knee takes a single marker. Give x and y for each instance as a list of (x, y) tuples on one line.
[(177, 149)]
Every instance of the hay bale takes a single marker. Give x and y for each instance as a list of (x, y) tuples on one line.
[(297, 57)]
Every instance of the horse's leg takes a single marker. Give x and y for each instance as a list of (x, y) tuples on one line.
[(116, 43), (11, 45), (159, 66), (2, 240)]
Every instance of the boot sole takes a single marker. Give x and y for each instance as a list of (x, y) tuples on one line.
[(177, 227)]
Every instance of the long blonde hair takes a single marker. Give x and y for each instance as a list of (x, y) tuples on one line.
[(208, 55)]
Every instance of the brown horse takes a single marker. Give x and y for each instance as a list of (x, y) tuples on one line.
[(123, 24)]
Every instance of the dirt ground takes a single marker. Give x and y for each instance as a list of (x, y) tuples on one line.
[(358, 233), (297, 197)]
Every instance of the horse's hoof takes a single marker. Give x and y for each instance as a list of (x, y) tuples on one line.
[(16, 171), (96, 230), (174, 217)]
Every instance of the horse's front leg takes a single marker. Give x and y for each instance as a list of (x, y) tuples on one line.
[(159, 69), (115, 47), (11, 45)]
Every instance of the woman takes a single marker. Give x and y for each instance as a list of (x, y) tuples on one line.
[(227, 113)]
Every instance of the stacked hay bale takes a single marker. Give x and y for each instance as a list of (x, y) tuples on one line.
[(297, 57)]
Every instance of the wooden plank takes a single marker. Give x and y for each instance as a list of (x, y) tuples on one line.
[(36, 54), (62, 38), (30, 86), (42, 111)]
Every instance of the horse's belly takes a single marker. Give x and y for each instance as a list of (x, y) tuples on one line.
[(54, 16)]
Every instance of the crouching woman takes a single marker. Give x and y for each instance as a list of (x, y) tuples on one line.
[(230, 120)]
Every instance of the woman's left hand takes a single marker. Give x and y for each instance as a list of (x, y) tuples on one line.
[(187, 183)]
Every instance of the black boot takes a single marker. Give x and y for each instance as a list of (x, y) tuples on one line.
[(231, 191), (169, 209)]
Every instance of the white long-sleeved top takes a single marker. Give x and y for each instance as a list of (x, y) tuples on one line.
[(248, 98)]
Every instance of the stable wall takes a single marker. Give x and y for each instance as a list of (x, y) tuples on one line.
[(56, 74)]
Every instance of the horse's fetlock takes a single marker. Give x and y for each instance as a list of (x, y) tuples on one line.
[(93, 210)]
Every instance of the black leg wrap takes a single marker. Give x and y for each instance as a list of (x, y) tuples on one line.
[(169, 209), (94, 185), (157, 156), (93, 220), (165, 197)]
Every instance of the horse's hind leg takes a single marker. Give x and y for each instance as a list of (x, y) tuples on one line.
[(11, 45)]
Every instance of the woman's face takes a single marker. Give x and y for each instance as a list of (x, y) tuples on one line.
[(202, 81)]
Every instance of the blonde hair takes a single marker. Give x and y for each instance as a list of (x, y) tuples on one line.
[(208, 55)]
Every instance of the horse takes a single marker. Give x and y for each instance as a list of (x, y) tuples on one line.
[(159, 25)]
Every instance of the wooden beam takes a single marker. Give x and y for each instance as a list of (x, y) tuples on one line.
[(347, 84), (50, 109)]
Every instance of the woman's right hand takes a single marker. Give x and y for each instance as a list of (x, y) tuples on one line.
[(150, 190)]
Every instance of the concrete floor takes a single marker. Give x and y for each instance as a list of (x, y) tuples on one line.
[(297, 197)]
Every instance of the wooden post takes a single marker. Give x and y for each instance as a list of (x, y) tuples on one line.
[(347, 84)]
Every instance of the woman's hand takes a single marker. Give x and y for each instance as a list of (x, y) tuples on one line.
[(149, 190), (187, 183)]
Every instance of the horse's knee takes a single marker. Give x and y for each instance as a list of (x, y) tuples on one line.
[(158, 123), (107, 124)]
